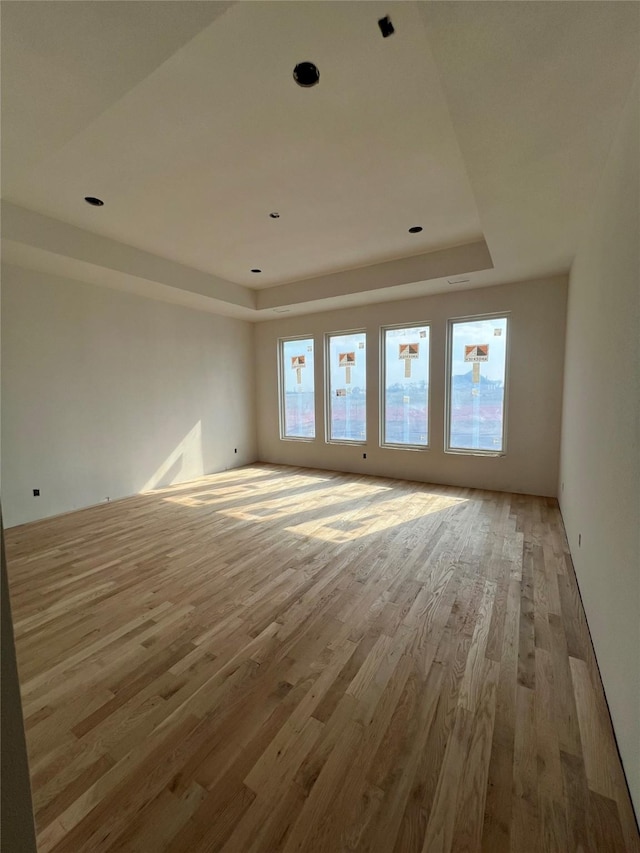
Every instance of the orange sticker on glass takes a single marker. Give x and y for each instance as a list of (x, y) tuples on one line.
[(347, 360), (476, 352), (409, 351), (297, 363)]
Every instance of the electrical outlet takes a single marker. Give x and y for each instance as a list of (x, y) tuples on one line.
[(236, 450), (36, 493), (364, 455), (579, 540)]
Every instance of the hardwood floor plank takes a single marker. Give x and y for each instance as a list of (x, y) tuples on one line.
[(313, 828), (597, 744), (396, 761), (472, 793), (553, 828), (526, 815), (440, 829), (496, 836), (576, 799)]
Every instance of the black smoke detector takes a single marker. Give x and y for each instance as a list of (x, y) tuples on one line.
[(306, 74), (96, 202), (386, 27), (415, 229)]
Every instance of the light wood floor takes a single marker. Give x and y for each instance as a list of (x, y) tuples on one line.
[(274, 659)]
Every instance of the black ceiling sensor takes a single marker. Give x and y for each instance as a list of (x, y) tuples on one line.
[(415, 229), (306, 74), (274, 215), (96, 202), (386, 27), (256, 270)]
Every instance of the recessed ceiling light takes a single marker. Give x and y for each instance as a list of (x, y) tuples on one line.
[(275, 215), (256, 270), (96, 202), (386, 27), (415, 229), (306, 74)]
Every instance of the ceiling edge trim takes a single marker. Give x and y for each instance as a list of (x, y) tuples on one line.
[(50, 235), (37, 241), (470, 257)]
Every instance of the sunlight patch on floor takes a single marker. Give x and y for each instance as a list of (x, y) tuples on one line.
[(342, 528), (287, 505), (214, 495)]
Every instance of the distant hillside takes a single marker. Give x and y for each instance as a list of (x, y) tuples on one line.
[(463, 379)]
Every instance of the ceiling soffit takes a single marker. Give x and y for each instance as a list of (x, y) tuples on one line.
[(29, 238), (486, 123), (193, 155)]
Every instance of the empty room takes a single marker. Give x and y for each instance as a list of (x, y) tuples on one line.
[(320, 420)]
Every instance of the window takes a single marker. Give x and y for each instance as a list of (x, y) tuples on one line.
[(405, 399), (297, 395), (347, 410), (476, 391)]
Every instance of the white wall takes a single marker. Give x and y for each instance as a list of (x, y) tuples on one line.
[(600, 460), (106, 393), (534, 397)]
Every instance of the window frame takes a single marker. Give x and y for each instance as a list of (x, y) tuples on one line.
[(389, 445), (349, 442), (282, 390), (461, 451)]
